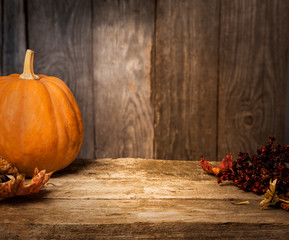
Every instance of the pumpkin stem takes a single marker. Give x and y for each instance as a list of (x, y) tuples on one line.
[(28, 72)]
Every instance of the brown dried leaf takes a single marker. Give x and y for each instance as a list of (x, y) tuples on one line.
[(9, 188), (13, 184), (226, 164), (270, 197), (7, 169), (207, 166), (17, 187), (35, 184)]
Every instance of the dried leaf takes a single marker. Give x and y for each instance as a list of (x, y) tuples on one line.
[(4, 178), (16, 186), (226, 163), (207, 166), (271, 197), (6, 168), (35, 184), (9, 189)]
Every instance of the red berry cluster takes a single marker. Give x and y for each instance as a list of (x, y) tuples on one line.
[(253, 173)]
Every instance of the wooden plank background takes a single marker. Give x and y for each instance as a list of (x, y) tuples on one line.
[(253, 71), (122, 42), (160, 78), (13, 36), (186, 72)]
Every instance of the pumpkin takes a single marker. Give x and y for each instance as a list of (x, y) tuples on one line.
[(40, 122)]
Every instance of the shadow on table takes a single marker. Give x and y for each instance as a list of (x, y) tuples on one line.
[(25, 200)]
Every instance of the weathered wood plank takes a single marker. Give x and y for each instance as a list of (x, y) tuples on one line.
[(14, 36), (141, 179), (253, 63), (122, 40), (186, 69), (60, 34), (72, 204), (147, 189), (176, 230), (114, 211)]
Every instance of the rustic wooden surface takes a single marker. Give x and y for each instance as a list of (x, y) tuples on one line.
[(13, 36), (122, 38), (60, 34), (160, 78), (186, 71), (138, 198), (253, 67)]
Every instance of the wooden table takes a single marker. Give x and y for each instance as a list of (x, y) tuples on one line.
[(139, 199)]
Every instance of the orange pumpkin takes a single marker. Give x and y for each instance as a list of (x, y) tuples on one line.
[(40, 122)]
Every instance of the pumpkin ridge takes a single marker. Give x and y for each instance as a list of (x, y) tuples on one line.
[(56, 80), (53, 107), (37, 102), (72, 106), (2, 89), (22, 107), (6, 88), (62, 85)]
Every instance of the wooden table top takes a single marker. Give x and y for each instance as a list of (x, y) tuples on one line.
[(132, 198)]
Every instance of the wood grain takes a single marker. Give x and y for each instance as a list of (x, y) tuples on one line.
[(166, 230), (14, 37), (144, 179), (185, 86), (122, 45), (138, 198), (253, 64), (60, 34)]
